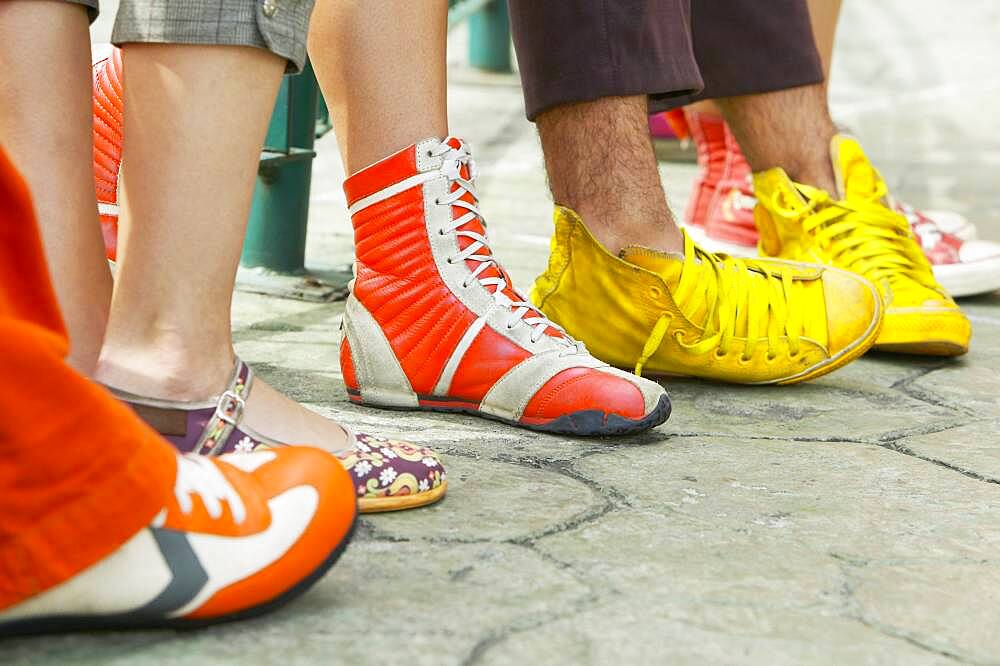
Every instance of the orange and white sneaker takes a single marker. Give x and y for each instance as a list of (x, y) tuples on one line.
[(109, 124), (239, 536), (433, 321)]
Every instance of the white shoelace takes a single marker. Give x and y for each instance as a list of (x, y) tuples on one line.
[(197, 475), (520, 311)]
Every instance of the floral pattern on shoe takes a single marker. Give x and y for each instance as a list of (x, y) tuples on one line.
[(391, 474)]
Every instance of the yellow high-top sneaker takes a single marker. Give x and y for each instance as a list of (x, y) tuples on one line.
[(860, 233), (705, 315)]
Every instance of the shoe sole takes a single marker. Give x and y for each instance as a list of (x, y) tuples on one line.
[(924, 348), (402, 502), (76, 623), (584, 423), (979, 277)]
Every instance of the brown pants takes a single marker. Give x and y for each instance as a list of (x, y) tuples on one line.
[(675, 51)]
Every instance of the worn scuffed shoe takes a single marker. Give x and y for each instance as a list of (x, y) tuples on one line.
[(238, 536), (860, 233), (433, 322), (705, 315), (963, 265)]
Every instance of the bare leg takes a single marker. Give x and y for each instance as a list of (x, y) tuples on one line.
[(789, 128), (45, 125), (381, 98), (600, 163), (195, 123)]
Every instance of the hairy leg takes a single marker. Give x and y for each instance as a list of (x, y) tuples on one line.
[(789, 128), (600, 163), (382, 74), (187, 190), (45, 126)]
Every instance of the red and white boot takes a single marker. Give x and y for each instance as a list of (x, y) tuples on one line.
[(433, 321), (109, 125)]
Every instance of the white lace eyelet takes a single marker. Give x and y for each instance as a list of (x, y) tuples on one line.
[(437, 201), (449, 260)]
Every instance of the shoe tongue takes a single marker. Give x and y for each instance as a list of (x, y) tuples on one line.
[(856, 177)]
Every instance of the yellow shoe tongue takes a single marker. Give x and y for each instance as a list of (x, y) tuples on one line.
[(856, 177)]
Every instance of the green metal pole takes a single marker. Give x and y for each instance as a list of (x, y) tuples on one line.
[(489, 38), (276, 235)]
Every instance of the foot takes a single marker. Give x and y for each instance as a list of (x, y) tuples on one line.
[(860, 233), (701, 315), (389, 475), (288, 514), (434, 323), (721, 219)]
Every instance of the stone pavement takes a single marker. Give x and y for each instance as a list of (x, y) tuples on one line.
[(849, 520)]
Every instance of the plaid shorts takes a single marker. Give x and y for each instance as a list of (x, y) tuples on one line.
[(279, 26)]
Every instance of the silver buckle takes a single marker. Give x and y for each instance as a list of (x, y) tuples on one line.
[(230, 407)]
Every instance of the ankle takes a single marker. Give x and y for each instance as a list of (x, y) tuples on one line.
[(164, 371), (656, 233)]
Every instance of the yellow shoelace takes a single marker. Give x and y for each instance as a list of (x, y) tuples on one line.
[(732, 290), (860, 235)]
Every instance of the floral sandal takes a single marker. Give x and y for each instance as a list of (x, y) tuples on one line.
[(389, 475)]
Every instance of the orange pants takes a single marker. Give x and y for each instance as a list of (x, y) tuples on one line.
[(79, 473)]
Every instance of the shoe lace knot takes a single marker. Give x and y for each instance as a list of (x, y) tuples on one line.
[(732, 298), (198, 476), (461, 171)]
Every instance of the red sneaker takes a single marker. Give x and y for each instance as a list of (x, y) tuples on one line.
[(963, 267), (432, 321), (109, 123), (729, 223), (239, 536), (709, 136)]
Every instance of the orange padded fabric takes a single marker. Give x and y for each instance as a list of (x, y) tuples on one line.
[(398, 283), (109, 118), (79, 472), (487, 360)]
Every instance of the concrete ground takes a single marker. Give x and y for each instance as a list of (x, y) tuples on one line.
[(849, 520)]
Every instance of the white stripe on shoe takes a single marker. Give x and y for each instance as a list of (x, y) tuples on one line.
[(392, 190), (444, 381)]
